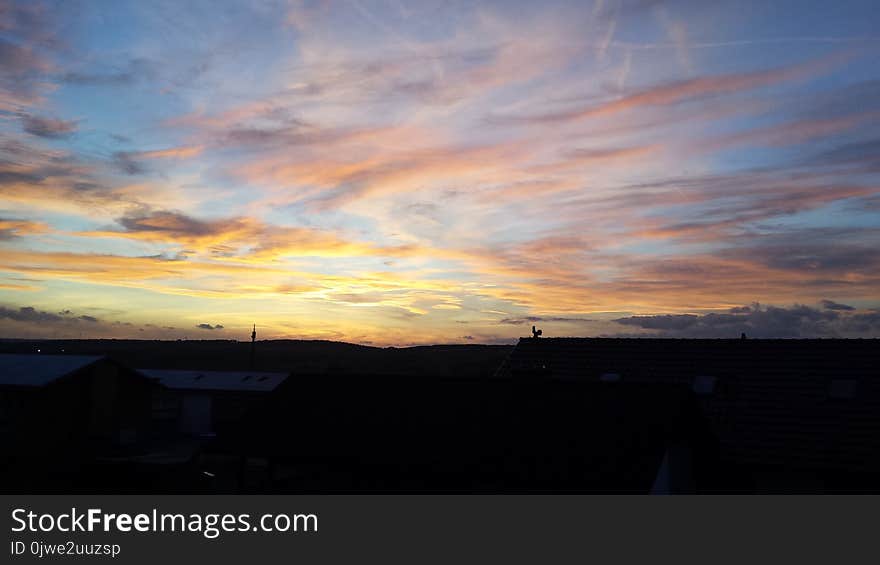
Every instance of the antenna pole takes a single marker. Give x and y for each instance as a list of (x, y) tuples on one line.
[(253, 345)]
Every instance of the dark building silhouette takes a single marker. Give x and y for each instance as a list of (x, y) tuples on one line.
[(60, 414), (203, 403), (790, 415), (411, 434), (72, 423)]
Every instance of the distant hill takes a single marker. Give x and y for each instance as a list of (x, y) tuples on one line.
[(301, 356)]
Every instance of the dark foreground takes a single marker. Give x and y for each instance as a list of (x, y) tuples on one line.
[(551, 415)]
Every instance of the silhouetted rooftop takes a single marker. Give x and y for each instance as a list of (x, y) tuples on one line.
[(682, 359), (244, 381), (798, 403), (40, 370)]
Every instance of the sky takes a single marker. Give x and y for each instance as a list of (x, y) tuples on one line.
[(397, 172)]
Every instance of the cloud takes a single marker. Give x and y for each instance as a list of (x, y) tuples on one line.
[(172, 223), (357, 298), (797, 321), (127, 164), (131, 162), (664, 322), (717, 207), (547, 319), (242, 237), (209, 327), (19, 61), (129, 73), (386, 164), (185, 152), (865, 153), (790, 133), (80, 79), (677, 32), (826, 251), (676, 92), (29, 36), (30, 23), (600, 157), (12, 229), (29, 322), (153, 273), (31, 314), (355, 178), (50, 128), (433, 74), (39, 180), (831, 305), (250, 280)]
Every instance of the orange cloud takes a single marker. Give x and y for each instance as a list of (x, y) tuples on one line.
[(382, 172), (242, 238), (170, 153), (16, 228)]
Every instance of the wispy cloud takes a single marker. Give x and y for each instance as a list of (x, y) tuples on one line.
[(679, 91), (418, 173)]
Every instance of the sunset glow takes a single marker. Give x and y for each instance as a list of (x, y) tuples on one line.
[(439, 172)]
